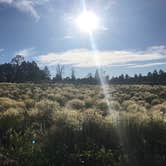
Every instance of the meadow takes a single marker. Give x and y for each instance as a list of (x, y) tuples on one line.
[(68, 125)]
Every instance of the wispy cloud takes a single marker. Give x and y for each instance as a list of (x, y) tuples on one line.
[(26, 6), (1, 50), (68, 37), (147, 65), (123, 65), (86, 58), (26, 52)]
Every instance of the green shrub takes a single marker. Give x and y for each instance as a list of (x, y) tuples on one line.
[(11, 118), (89, 102), (155, 101), (115, 105), (162, 94), (93, 136), (132, 108), (7, 103), (75, 104), (102, 107), (149, 97), (60, 99), (47, 106), (126, 103), (67, 119), (44, 112), (29, 103)]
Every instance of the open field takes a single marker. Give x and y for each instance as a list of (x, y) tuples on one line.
[(60, 124)]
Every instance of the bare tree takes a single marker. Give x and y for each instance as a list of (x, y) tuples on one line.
[(59, 72), (73, 77)]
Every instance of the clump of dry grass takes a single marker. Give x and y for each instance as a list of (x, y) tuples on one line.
[(6, 103)]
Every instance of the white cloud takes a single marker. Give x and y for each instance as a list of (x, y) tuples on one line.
[(1, 49), (123, 65), (68, 37), (26, 52), (26, 6), (147, 65), (87, 58)]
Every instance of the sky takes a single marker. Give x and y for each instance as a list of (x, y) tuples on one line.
[(130, 38)]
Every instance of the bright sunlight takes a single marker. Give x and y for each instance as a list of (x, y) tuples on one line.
[(87, 21)]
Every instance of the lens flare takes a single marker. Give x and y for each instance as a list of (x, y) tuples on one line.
[(87, 21)]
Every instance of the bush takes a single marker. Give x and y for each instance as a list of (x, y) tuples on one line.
[(11, 118), (115, 105), (155, 101), (7, 103), (149, 97), (29, 103), (93, 136), (163, 109), (44, 112), (67, 119), (76, 104), (126, 103), (132, 108), (89, 103), (102, 107), (47, 106), (60, 99), (163, 94)]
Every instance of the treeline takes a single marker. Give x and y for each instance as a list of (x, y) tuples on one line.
[(156, 77), (19, 70)]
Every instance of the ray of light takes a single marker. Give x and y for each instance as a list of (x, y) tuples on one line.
[(104, 84)]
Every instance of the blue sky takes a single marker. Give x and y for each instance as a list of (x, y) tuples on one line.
[(131, 38)]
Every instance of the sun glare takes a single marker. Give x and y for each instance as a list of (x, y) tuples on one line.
[(87, 21)]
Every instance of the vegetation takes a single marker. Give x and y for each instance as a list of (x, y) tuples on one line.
[(157, 77), (66, 124), (20, 71)]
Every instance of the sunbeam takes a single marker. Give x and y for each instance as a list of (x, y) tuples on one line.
[(96, 58)]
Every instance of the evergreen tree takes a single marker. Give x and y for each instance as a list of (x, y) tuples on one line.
[(46, 73)]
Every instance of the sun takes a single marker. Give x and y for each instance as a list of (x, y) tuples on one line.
[(87, 21)]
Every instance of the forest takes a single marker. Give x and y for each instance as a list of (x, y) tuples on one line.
[(21, 71)]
